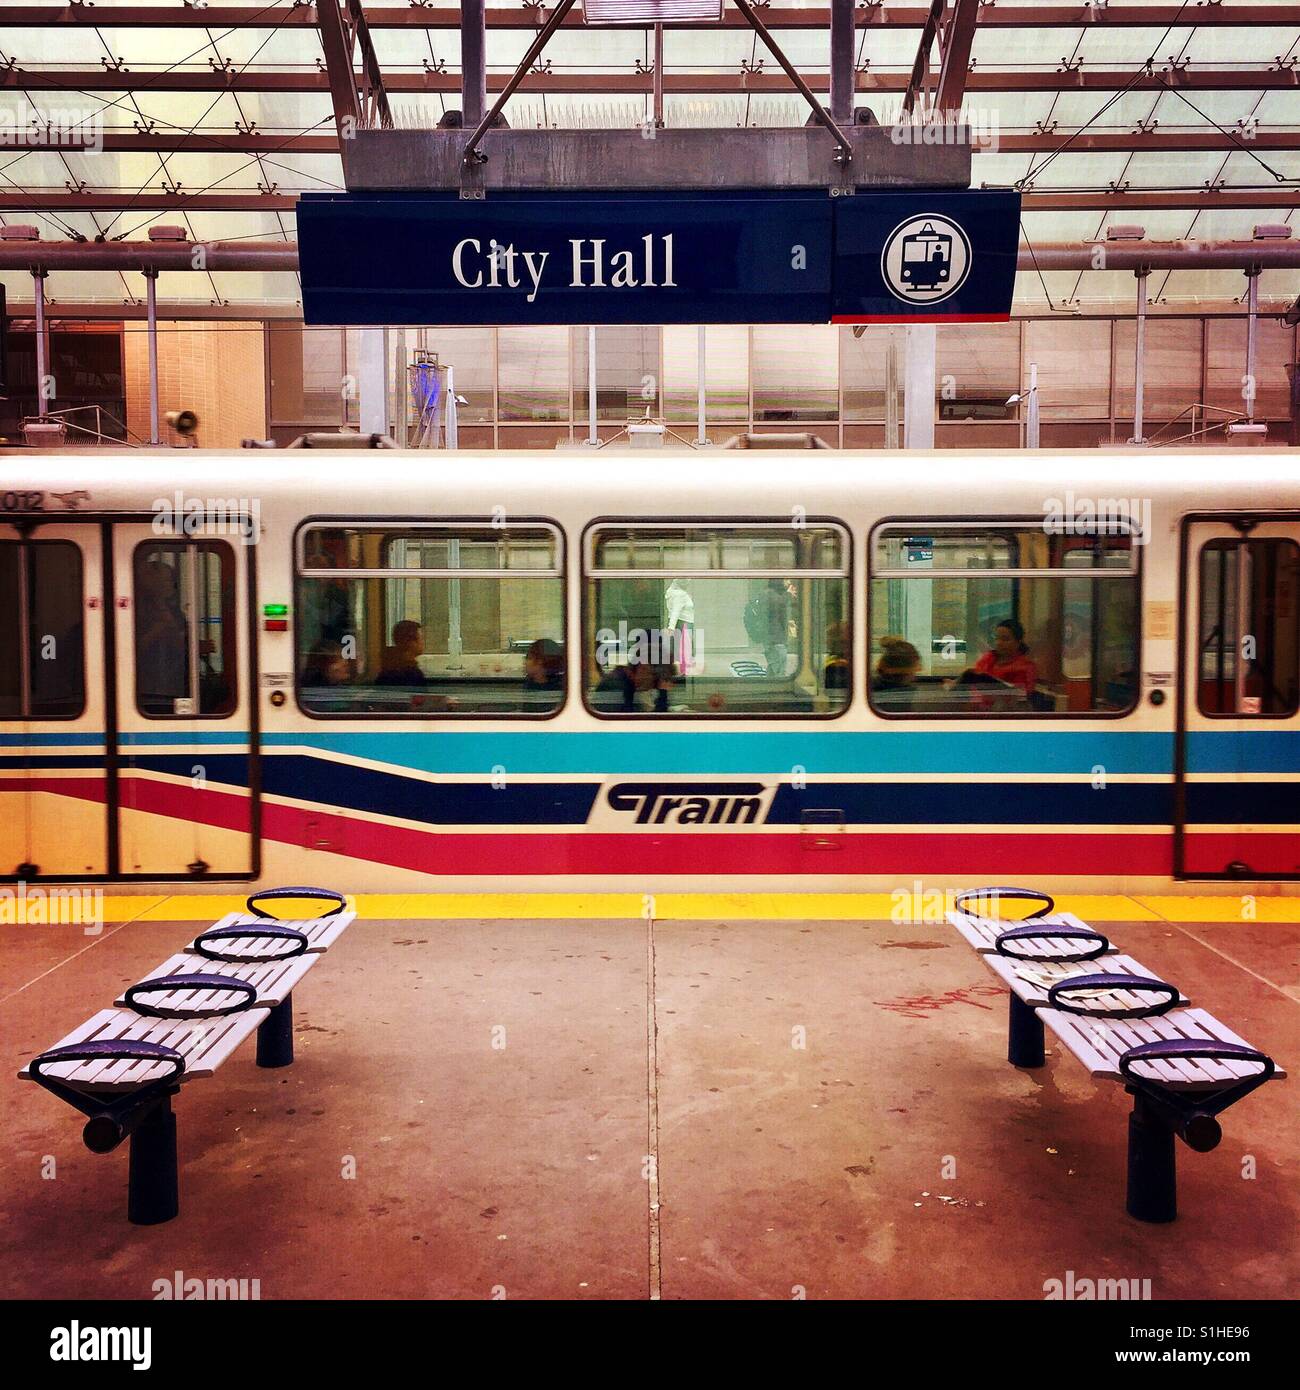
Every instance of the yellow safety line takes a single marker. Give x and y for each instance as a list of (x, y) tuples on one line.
[(874, 907)]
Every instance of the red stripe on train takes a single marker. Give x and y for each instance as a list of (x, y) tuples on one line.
[(457, 853), (454, 853)]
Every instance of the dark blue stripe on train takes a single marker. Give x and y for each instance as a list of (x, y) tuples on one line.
[(369, 790), (365, 789)]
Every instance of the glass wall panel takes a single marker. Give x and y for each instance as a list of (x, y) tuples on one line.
[(977, 367), (726, 372), (627, 373), (1073, 357), (796, 372), (1171, 367), (533, 373)]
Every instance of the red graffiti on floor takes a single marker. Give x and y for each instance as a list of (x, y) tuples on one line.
[(919, 1005)]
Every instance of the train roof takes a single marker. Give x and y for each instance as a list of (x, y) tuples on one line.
[(658, 481)]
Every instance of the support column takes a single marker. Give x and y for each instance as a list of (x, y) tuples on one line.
[(1031, 410), (401, 391), (1139, 357), (892, 440), (1252, 309), (701, 398), (842, 19), (275, 1036), (593, 437), (1024, 1035), (42, 346), (372, 381), (153, 1186), (1152, 1165), (918, 387), (473, 62), (151, 332)]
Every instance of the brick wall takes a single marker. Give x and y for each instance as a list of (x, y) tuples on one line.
[(215, 368)]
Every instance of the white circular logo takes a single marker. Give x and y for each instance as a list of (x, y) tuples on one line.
[(925, 259)]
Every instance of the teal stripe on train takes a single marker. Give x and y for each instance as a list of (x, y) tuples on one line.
[(1005, 748)]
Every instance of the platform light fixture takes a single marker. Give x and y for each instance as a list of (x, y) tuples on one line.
[(644, 12)]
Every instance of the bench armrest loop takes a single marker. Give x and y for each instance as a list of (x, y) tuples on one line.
[(272, 931), (187, 984), (1098, 946), (996, 895), (113, 1108), (321, 894), (1058, 995), (1192, 1112)]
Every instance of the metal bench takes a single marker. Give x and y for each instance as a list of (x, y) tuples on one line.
[(122, 1067), (1124, 1023)]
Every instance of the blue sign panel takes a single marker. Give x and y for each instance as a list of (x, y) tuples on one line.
[(651, 257), (925, 257), (387, 258)]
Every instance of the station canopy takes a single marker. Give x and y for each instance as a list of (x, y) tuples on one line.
[(216, 117)]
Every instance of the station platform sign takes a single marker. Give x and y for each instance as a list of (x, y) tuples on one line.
[(658, 257)]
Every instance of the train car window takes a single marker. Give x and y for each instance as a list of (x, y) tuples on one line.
[(430, 620), (185, 665), (717, 619), (42, 645), (990, 618), (1263, 631)]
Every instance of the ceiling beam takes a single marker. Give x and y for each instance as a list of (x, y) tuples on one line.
[(1030, 142), (359, 98), (17, 200), (689, 83), (999, 16), (1155, 200), (283, 255), (955, 39)]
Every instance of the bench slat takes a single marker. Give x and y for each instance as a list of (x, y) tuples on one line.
[(275, 980), (321, 932), (204, 1043), (1030, 980), (1098, 1043)]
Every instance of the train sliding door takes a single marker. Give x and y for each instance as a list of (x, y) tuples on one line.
[(54, 818), (1239, 730), (186, 784)]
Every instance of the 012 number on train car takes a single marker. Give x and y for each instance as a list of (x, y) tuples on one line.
[(21, 501)]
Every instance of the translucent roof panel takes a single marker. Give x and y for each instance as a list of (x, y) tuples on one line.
[(1142, 133)]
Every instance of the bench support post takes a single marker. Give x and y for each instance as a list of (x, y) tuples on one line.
[(153, 1192), (1024, 1035), (275, 1036), (1152, 1167)]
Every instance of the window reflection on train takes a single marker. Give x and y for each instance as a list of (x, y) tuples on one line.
[(1264, 629), (184, 629), (42, 673), (717, 620), (1003, 619), (430, 620)]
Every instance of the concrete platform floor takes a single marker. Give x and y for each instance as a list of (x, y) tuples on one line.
[(623, 1109)]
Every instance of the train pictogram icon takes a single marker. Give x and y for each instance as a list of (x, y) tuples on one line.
[(927, 258)]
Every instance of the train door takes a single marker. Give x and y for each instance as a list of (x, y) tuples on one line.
[(54, 818), (187, 784), (1239, 730)]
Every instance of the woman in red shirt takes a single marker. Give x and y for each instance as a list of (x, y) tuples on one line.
[(1009, 660)]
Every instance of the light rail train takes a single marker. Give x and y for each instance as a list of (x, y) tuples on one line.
[(798, 671)]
